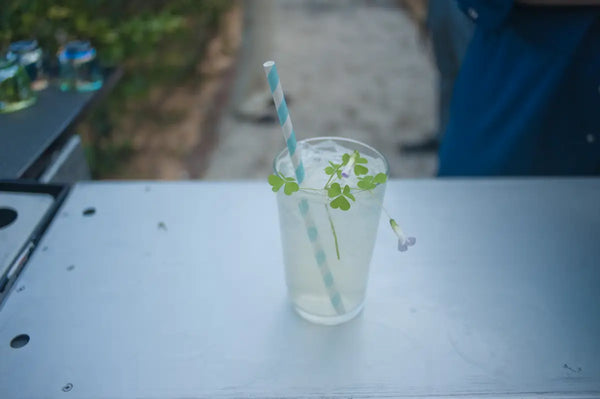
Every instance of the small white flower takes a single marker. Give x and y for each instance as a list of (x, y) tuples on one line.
[(403, 241), (348, 168)]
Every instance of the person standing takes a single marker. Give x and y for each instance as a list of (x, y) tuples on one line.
[(450, 32), (527, 98), (250, 101)]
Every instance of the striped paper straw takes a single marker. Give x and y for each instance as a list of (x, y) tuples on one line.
[(311, 229), (284, 118)]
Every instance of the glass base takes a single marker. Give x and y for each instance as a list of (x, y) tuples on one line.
[(16, 106), (89, 86), (330, 320), (81, 86)]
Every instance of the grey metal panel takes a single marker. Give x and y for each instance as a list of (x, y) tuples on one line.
[(69, 165), (30, 209), (27, 135), (499, 296)]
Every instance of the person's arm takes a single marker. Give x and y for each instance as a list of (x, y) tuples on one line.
[(559, 2)]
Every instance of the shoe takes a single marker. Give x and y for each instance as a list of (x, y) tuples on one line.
[(258, 109), (428, 145)]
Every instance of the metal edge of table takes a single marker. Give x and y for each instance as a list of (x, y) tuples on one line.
[(282, 319), (59, 193), (34, 169), (39, 158)]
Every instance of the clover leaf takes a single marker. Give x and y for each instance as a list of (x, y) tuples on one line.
[(340, 196), (380, 178), (366, 183), (290, 187), (370, 182), (360, 170), (347, 193), (289, 184), (276, 182), (334, 169), (334, 190), (340, 202)]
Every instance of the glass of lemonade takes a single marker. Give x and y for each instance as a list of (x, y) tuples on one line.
[(327, 285)]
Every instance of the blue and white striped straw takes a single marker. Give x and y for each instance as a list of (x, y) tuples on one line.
[(311, 229), (284, 118)]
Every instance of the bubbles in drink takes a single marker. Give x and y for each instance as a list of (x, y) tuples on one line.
[(316, 157)]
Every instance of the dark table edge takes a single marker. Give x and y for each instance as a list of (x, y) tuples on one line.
[(34, 169), (58, 192)]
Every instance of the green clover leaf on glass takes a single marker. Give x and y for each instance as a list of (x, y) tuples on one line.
[(380, 178), (289, 184), (360, 169), (370, 182), (347, 193), (366, 183), (334, 168), (340, 196)]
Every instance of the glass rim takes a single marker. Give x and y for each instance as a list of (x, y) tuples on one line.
[(23, 46), (77, 51), (285, 150), (8, 60)]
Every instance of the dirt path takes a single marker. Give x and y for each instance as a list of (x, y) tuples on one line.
[(173, 141), (354, 69)]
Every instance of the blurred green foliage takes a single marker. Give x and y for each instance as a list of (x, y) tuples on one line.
[(156, 42)]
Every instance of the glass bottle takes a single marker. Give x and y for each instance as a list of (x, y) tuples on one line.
[(79, 69), (29, 55), (15, 89)]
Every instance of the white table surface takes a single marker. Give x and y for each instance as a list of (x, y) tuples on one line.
[(500, 297)]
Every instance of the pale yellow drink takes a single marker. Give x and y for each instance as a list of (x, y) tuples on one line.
[(356, 230)]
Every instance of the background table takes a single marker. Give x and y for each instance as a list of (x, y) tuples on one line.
[(29, 137), (177, 290)]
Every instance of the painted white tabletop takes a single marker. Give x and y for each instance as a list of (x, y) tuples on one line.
[(176, 290)]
